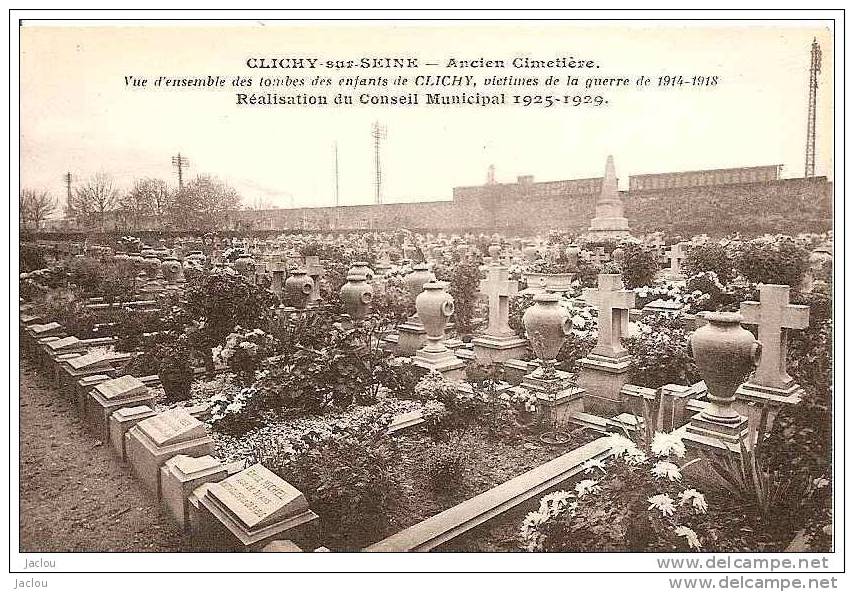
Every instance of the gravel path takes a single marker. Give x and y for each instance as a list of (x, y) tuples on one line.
[(75, 494)]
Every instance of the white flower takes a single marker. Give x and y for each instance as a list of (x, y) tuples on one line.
[(593, 463), (667, 444), (667, 469), (696, 499), (554, 503), (820, 482), (635, 456), (586, 486), (690, 536), (662, 502), (619, 444)]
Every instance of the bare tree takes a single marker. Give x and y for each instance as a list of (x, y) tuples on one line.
[(148, 198), (262, 203), (93, 199), (35, 207)]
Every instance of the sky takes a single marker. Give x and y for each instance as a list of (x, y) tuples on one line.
[(77, 114)]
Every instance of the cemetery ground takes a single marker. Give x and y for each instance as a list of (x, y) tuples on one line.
[(400, 391), (74, 496)]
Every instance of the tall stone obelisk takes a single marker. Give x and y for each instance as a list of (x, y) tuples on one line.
[(609, 222)]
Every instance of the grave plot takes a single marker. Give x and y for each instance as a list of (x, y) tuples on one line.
[(437, 393)]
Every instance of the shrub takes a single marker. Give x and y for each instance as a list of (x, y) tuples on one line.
[(176, 371), (30, 258), (243, 351), (463, 288), (236, 411), (587, 273), (68, 308), (809, 361), (638, 266), (445, 467), (217, 302), (518, 305), (780, 261), (710, 257), (660, 352), (349, 480)]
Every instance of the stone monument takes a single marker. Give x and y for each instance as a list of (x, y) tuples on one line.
[(609, 223)]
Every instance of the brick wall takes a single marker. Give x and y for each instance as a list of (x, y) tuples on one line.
[(789, 205)]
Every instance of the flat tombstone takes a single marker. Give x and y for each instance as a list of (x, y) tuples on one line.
[(124, 419), (113, 394), (63, 344), (44, 329), (90, 361), (182, 474), (122, 387), (172, 427), (153, 441), (257, 497)]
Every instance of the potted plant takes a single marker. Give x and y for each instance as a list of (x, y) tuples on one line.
[(175, 371)]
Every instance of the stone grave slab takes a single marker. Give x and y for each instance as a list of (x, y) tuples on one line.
[(124, 419), (153, 441), (113, 394), (182, 474), (82, 388), (256, 506)]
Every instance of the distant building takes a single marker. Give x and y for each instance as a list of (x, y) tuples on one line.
[(757, 174)]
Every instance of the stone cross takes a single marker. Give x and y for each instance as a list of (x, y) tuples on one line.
[(498, 288), (676, 255), (315, 270), (614, 304), (774, 315), (600, 257)]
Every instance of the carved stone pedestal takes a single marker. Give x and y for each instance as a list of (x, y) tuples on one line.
[(602, 379), (494, 349)]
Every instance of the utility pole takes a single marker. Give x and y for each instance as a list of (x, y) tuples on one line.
[(815, 69), (69, 209), (378, 132), (337, 196), (180, 162)]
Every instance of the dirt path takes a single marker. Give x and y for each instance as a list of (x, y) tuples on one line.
[(75, 494)]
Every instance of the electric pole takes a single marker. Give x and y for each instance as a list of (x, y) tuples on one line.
[(337, 196), (180, 162), (378, 132), (815, 69), (69, 209)]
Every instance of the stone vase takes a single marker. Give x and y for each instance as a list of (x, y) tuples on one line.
[(571, 253), (361, 268), (531, 252), (725, 353), (546, 324), (435, 307), (171, 269), (151, 265), (357, 295), (415, 281), (298, 288), (244, 265)]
